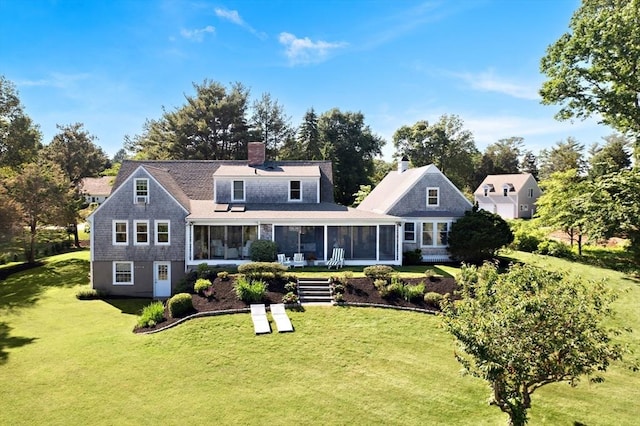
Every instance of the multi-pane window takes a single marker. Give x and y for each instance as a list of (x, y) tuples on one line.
[(141, 193), (120, 232), (238, 190), (433, 197), (435, 233), (122, 273), (142, 232), (409, 231), (295, 190), (162, 232)]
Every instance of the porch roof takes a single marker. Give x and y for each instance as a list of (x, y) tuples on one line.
[(202, 210)]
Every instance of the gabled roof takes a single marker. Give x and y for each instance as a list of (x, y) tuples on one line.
[(395, 185), (97, 186), (515, 182), (270, 171), (194, 178)]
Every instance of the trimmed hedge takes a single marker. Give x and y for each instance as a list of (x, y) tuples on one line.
[(180, 305), (263, 270), (263, 251), (201, 285), (376, 272)]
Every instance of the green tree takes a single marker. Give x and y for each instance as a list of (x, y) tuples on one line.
[(211, 126), (9, 216), (562, 204), (381, 168), (307, 145), (270, 124), (529, 164), (19, 136), (351, 146), (478, 235), (563, 156), (609, 158), (120, 156), (500, 158), (527, 328), (361, 194), (445, 144), (41, 193), (593, 68)]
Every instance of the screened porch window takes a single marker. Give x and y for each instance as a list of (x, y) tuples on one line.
[(223, 242)]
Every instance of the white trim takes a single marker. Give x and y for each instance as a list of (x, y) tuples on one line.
[(434, 223), (294, 200), (157, 222), (140, 199), (135, 233), (437, 189), (114, 222), (244, 191), (113, 276)]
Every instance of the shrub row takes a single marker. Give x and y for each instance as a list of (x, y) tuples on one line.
[(397, 288), (263, 270), (375, 272)]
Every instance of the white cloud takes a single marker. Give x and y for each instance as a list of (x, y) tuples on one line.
[(488, 81), (197, 34), (234, 17), (306, 51), (57, 80)]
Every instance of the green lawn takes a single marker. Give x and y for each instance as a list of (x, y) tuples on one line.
[(64, 361)]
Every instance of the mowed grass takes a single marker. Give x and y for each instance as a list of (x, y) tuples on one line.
[(64, 361)]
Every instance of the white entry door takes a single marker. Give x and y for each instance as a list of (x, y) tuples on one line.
[(161, 279)]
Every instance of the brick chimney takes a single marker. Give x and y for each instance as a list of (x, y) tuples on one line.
[(256, 155)]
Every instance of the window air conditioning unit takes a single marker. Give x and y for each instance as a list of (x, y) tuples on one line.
[(141, 200)]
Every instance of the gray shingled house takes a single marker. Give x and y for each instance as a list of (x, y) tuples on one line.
[(164, 218), (426, 202)]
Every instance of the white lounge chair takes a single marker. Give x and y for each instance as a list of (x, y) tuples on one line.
[(259, 318), (284, 260), (298, 260), (279, 314), (337, 258)]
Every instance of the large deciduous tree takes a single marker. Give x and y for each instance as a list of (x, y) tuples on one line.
[(211, 126), (444, 143), (593, 69), (499, 158), (351, 146), (19, 136), (41, 192), (478, 235), (527, 328)]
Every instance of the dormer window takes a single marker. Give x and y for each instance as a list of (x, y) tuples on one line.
[(433, 197), (506, 188), (295, 190), (238, 190), (141, 191)]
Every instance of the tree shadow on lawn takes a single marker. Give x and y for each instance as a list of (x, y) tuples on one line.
[(128, 306), (24, 289), (7, 341)]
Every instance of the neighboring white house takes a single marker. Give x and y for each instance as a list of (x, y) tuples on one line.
[(510, 196), (96, 190)]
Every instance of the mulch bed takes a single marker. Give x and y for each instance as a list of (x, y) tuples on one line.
[(359, 290)]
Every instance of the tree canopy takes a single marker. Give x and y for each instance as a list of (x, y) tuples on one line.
[(593, 68), (561, 157), (527, 328), (270, 124), (609, 158), (445, 143)]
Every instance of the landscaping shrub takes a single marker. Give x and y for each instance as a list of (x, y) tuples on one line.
[(378, 272), (478, 235), (201, 285), (262, 270), (555, 249), (205, 271), (338, 297), (223, 275), (411, 293), (263, 251), (337, 288), (151, 315), (380, 284), (180, 305), (412, 257), (290, 298), (88, 294), (433, 299), (250, 291), (431, 276), (345, 277), (291, 286)]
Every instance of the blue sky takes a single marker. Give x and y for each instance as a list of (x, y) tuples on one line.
[(113, 64)]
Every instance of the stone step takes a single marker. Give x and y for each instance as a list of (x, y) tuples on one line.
[(314, 290)]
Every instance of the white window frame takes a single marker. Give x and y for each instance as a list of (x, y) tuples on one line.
[(114, 268), (404, 235), (136, 233), (299, 199), (437, 233), (434, 233), (233, 191), (156, 232), (114, 224), (140, 196), (437, 189)]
